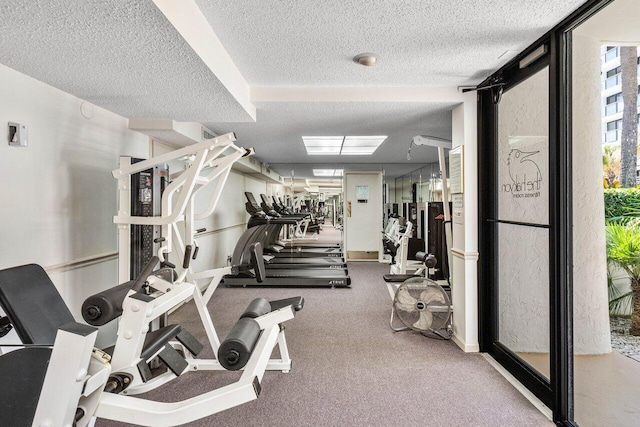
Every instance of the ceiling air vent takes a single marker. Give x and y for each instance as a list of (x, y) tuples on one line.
[(207, 134), (178, 134)]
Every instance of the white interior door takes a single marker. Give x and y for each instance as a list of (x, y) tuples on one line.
[(363, 215)]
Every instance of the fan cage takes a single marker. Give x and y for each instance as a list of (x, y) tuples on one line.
[(422, 305)]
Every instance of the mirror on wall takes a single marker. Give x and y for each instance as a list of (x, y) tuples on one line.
[(416, 197)]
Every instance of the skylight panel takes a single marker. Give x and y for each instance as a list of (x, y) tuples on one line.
[(327, 172), (323, 145), (344, 145), (361, 145)]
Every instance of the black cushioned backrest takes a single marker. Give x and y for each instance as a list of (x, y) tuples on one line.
[(22, 372), (33, 304)]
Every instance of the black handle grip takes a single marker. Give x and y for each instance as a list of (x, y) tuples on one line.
[(159, 239), (187, 256), (195, 252), (257, 261), (201, 230), (142, 277)]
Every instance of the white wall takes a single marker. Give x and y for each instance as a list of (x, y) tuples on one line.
[(590, 299), (227, 223), (58, 195)]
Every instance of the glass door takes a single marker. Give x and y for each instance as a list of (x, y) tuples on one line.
[(516, 222)]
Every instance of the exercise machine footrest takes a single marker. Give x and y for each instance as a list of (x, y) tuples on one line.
[(190, 342), (296, 302)]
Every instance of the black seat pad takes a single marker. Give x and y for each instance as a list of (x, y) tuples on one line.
[(33, 304), (154, 341), (22, 372), (398, 278)]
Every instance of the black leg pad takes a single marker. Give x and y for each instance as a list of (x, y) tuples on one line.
[(173, 360), (190, 342), (296, 302)]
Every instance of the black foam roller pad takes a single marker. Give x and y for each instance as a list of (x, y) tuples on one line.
[(258, 307), (105, 306), (235, 350)]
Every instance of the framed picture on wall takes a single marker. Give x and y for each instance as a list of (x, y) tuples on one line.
[(456, 169)]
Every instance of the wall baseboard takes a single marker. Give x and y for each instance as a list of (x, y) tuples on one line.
[(466, 347)]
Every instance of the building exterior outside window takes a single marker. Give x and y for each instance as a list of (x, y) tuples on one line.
[(612, 97)]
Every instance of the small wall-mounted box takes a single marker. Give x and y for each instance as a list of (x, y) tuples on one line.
[(17, 135)]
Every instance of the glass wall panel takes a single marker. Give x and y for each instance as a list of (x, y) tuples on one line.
[(523, 221)]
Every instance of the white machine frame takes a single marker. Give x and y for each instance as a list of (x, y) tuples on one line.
[(403, 264), (77, 374), (217, 155), (134, 324)]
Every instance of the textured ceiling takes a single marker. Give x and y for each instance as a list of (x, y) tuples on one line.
[(121, 55), (127, 57), (421, 43), (276, 135)]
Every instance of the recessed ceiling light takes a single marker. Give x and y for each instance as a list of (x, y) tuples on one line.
[(327, 172), (322, 145), (346, 145), (365, 145), (367, 59)]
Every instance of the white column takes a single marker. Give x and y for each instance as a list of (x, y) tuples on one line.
[(465, 235), (590, 301)]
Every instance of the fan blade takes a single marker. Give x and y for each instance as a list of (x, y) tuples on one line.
[(404, 299), (432, 294), (425, 321)]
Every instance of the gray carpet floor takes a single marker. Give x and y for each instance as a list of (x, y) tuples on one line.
[(350, 369)]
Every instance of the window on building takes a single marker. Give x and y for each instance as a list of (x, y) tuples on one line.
[(616, 98), (614, 125), (613, 72)]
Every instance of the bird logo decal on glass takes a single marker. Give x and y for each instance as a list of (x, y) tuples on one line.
[(524, 173)]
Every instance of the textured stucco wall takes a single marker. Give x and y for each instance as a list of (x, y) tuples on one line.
[(591, 316)]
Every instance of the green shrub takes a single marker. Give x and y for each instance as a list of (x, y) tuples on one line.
[(621, 204)]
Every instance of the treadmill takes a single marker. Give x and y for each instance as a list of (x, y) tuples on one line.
[(280, 277), (271, 245), (282, 210), (263, 233)]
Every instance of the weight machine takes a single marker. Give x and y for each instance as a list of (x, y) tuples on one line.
[(69, 381)]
